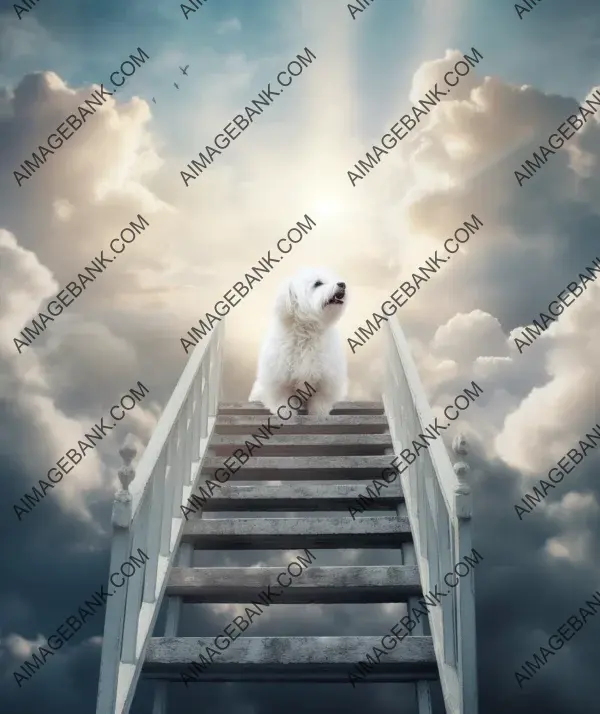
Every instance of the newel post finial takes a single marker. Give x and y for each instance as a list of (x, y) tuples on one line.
[(122, 511), (461, 448)]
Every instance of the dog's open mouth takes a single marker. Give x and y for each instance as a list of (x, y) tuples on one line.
[(337, 299)]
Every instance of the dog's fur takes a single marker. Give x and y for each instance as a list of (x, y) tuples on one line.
[(303, 345)]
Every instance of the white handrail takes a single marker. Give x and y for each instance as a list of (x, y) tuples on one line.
[(147, 516), (167, 420), (448, 480), (439, 506)]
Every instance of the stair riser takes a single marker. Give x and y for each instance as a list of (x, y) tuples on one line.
[(223, 451), (294, 504), (151, 672), (323, 428), (298, 596), (297, 541), (246, 473)]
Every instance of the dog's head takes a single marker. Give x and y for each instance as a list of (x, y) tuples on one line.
[(316, 297)]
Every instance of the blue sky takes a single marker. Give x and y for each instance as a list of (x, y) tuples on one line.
[(91, 39)]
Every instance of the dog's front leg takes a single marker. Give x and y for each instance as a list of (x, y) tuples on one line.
[(320, 405)]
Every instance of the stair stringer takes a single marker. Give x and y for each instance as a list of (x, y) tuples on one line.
[(439, 509), (147, 515)]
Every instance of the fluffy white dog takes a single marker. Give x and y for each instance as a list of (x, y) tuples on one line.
[(303, 345)]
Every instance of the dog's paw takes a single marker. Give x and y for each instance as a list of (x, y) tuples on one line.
[(319, 409), (321, 414)]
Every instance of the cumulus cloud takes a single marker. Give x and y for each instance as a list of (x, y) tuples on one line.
[(76, 357), (552, 418), (573, 544), (35, 416)]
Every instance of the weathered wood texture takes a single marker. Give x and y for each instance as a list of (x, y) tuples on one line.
[(305, 444), (289, 533), (344, 424), (301, 468), (411, 659), (290, 496), (330, 584)]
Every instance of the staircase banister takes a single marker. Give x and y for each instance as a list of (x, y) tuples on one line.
[(457, 495), (165, 424)]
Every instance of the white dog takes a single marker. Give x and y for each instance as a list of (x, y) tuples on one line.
[(303, 345)]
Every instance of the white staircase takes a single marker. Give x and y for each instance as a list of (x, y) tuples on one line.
[(323, 466)]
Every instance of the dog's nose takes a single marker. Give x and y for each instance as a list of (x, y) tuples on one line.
[(342, 285)]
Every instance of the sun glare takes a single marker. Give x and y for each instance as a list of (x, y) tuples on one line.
[(329, 207)]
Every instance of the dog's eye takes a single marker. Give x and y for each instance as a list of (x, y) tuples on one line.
[(317, 284)]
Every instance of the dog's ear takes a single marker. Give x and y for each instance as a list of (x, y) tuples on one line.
[(292, 298), (287, 299)]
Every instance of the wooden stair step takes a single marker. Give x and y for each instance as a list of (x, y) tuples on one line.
[(291, 533), (292, 658), (339, 408), (329, 584), (292, 496), (298, 468), (299, 444), (342, 424)]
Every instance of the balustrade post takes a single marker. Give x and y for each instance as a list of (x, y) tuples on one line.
[(465, 590), (112, 643), (196, 396), (133, 585), (204, 398), (215, 374), (157, 488)]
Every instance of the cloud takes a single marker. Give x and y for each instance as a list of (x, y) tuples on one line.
[(229, 26), (553, 417), (21, 38), (25, 385), (20, 647), (55, 385), (573, 544)]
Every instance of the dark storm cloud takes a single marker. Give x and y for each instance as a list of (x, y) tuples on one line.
[(523, 596)]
